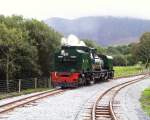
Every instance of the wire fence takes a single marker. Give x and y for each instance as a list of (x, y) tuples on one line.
[(23, 84), (17, 85)]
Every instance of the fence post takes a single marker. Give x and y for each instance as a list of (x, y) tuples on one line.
[(35, 82), (49, 82), (19, 85)]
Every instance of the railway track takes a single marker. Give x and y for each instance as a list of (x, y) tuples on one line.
[(103, 108), (17, 103)]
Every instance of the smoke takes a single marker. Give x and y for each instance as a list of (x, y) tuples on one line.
[(72, 40)]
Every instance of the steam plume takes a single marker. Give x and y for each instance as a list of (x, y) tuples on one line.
[(72, 40)]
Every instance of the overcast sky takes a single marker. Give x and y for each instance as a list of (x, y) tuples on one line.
[(43, 9)]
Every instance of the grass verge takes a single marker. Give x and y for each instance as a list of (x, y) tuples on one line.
[(145, 100), (23, 92), (127, 70)]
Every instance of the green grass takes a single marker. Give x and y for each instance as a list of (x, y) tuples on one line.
[(23, 92), (127, 70), (145, 100)]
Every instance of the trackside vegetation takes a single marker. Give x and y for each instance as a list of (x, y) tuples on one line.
[(123, 71), (145, 100), (23, 92)]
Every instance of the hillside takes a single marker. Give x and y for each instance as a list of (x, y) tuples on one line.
[(104, 30)]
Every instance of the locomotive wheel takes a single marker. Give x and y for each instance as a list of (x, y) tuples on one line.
[(106, 77), (93, 80), (84, 81), (87, 81), (81, 81)]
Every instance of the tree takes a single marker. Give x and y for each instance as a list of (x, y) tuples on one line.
[(130, 60), (26, 47), (46, 40), (14, 48), (112, 51), (142, 49), (92, 44), (119, 60)]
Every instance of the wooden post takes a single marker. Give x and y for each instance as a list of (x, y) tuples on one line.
[(19, 85), (49, 82), (35, 82), (7, 74)]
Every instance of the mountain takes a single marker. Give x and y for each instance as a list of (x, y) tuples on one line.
[(104, 30)]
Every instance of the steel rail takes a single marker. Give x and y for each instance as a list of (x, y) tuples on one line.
[(116, 92), (111, 111), (17, 103)]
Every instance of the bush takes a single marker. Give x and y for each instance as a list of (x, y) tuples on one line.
[(119, 60)]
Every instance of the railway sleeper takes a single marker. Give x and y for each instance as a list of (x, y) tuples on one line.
[(103, 116), (102, 110), (102, 107), (102, 113)]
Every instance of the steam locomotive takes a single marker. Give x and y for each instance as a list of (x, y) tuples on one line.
[(80, 65)]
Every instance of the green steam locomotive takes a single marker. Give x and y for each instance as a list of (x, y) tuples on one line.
[(80, 65)]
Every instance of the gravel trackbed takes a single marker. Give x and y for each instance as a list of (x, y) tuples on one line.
[(69, 105)]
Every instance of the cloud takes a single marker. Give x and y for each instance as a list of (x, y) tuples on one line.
[(42, 9)]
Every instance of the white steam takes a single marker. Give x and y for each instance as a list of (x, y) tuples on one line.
[(72, 40)]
